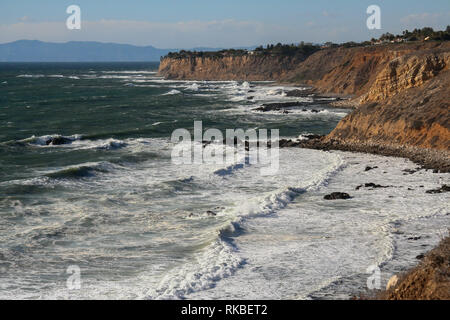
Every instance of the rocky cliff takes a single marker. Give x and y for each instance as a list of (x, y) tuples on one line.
[(245, 67), (400, 91), (405, 101)]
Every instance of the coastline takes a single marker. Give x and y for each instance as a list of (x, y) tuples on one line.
[(437, 160), (429, 280), (400, 99), (304, 226)]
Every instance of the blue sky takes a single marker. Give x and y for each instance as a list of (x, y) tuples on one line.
[(183, 23)]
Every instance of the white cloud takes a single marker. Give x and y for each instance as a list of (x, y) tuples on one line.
[(435, 20)]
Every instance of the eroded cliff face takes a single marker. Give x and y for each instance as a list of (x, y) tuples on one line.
[(407, 103), (406, 72), (401, 91), (358, 71), (246, 67)]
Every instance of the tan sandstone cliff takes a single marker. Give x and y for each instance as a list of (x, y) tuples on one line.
[(401, 91), (246, 67), (406, 102)]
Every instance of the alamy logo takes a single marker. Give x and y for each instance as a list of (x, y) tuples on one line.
[(74, 20), (74, 281), (374, 20), (374, 280), (210, 147)]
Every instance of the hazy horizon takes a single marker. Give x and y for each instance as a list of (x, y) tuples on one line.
[(177, 24)]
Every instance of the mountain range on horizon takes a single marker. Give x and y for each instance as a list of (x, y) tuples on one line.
[(83, 51)]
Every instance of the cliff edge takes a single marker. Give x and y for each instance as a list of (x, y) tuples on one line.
[(400, 92), (245, 67)]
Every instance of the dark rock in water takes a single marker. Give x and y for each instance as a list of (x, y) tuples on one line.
[(56, 141), (299, 93), (285, 111), (337, 195), (250, 98), (370, 185), (283, 143), (290, 144), (368, 168), (279, 106), (410, 171), (315, 111), (206, 142), (250, 91), (420, 256), (211, 213), (444, 188), (235, 142), (414, 238), (312, 136)]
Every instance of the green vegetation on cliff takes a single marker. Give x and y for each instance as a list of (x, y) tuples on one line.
[(302, 49), (306, 49)]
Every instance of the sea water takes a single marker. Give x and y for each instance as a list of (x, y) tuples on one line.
[(111, 202)]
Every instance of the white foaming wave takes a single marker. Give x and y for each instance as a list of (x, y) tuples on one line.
[(56, 76), (102, 144), (245, 85), (81, 169), (389, 229), (193, 87), (229, 170), (43, 140), (171, 92), (268, 204), (241, 161), (218, 261), (130, 72), (305, 113), (30, 76), (245, 91), (111, 144), (115, 77), (75, 141)]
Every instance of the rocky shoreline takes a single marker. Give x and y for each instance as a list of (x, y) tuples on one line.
[(437, 160), (401, 102), (429, 280)]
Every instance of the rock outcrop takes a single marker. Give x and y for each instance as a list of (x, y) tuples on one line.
[(245, 67), (400, 91), (407, 104)]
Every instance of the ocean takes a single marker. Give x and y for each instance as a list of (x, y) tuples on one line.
[(110, 204)]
